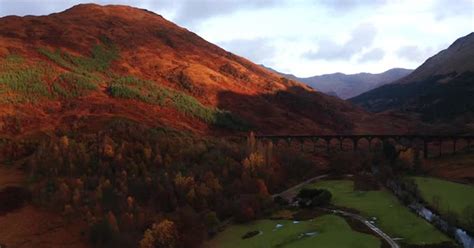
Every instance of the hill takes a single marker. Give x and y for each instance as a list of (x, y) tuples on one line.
[(83, 66), (121, 125), (441, 90), (349, 85)]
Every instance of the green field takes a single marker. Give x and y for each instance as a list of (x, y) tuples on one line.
[(392, 217), (332, 232), (451, 196)]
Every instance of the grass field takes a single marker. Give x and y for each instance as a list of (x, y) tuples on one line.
[(333, 232), (451, 196), (392, 217)]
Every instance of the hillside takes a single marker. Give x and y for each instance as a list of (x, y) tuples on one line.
[(90, 63), (441, 90), (349, 85)]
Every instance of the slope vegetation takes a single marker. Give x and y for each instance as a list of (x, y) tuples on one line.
[(80, 67)]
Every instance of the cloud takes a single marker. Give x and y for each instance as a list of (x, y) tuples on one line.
[(28, 7), (443, 9), (362, 37), (375, 54), (257, 50), (347, 5), (191, 11), (415, 53)]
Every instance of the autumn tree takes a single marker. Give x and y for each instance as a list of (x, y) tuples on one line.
[(163, 235)]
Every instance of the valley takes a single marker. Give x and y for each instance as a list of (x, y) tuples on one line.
[(121, 128)]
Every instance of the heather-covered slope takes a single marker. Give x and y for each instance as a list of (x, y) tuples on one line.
[(78, 68)]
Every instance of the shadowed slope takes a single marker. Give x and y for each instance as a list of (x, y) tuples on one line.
[(440, 90)]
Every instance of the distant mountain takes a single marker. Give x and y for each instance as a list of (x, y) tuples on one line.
[(440, 90), (349, 85)]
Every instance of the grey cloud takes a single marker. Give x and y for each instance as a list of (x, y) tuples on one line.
[(347, 5), (362, 37), (190, 11), (257, 50), (185, 11), (375, 54), (443, 9), (414, 53), (31, 7)]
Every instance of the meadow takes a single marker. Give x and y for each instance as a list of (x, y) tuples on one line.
[(391, 216), (328, 231)]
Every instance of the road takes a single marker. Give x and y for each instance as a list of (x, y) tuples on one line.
[(291, 192), (372, 227), (288, 194)]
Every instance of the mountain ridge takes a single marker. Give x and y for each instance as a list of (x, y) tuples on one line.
[(454, 58), (349, 85), (440, 90)]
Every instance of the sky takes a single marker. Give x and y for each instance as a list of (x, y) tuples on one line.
[(307, 37)]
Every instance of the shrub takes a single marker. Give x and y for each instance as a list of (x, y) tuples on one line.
[(59, 90), (102, 56), (435, 202), (130, 87), (244, 214), (122, 91), (79, 82), (129, 80), (314, 197), (468, 216), (73, 84), (250, 234), (410, 186), (28, 82), (451, 217), (14, 59), (212, 222), (56, 56)]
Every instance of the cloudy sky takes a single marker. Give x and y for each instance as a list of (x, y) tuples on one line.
[(307, 37)]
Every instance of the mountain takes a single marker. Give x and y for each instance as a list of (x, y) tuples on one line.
[(349, 85), (119, 130), (286, 75), (441, 90), (80, 68)]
